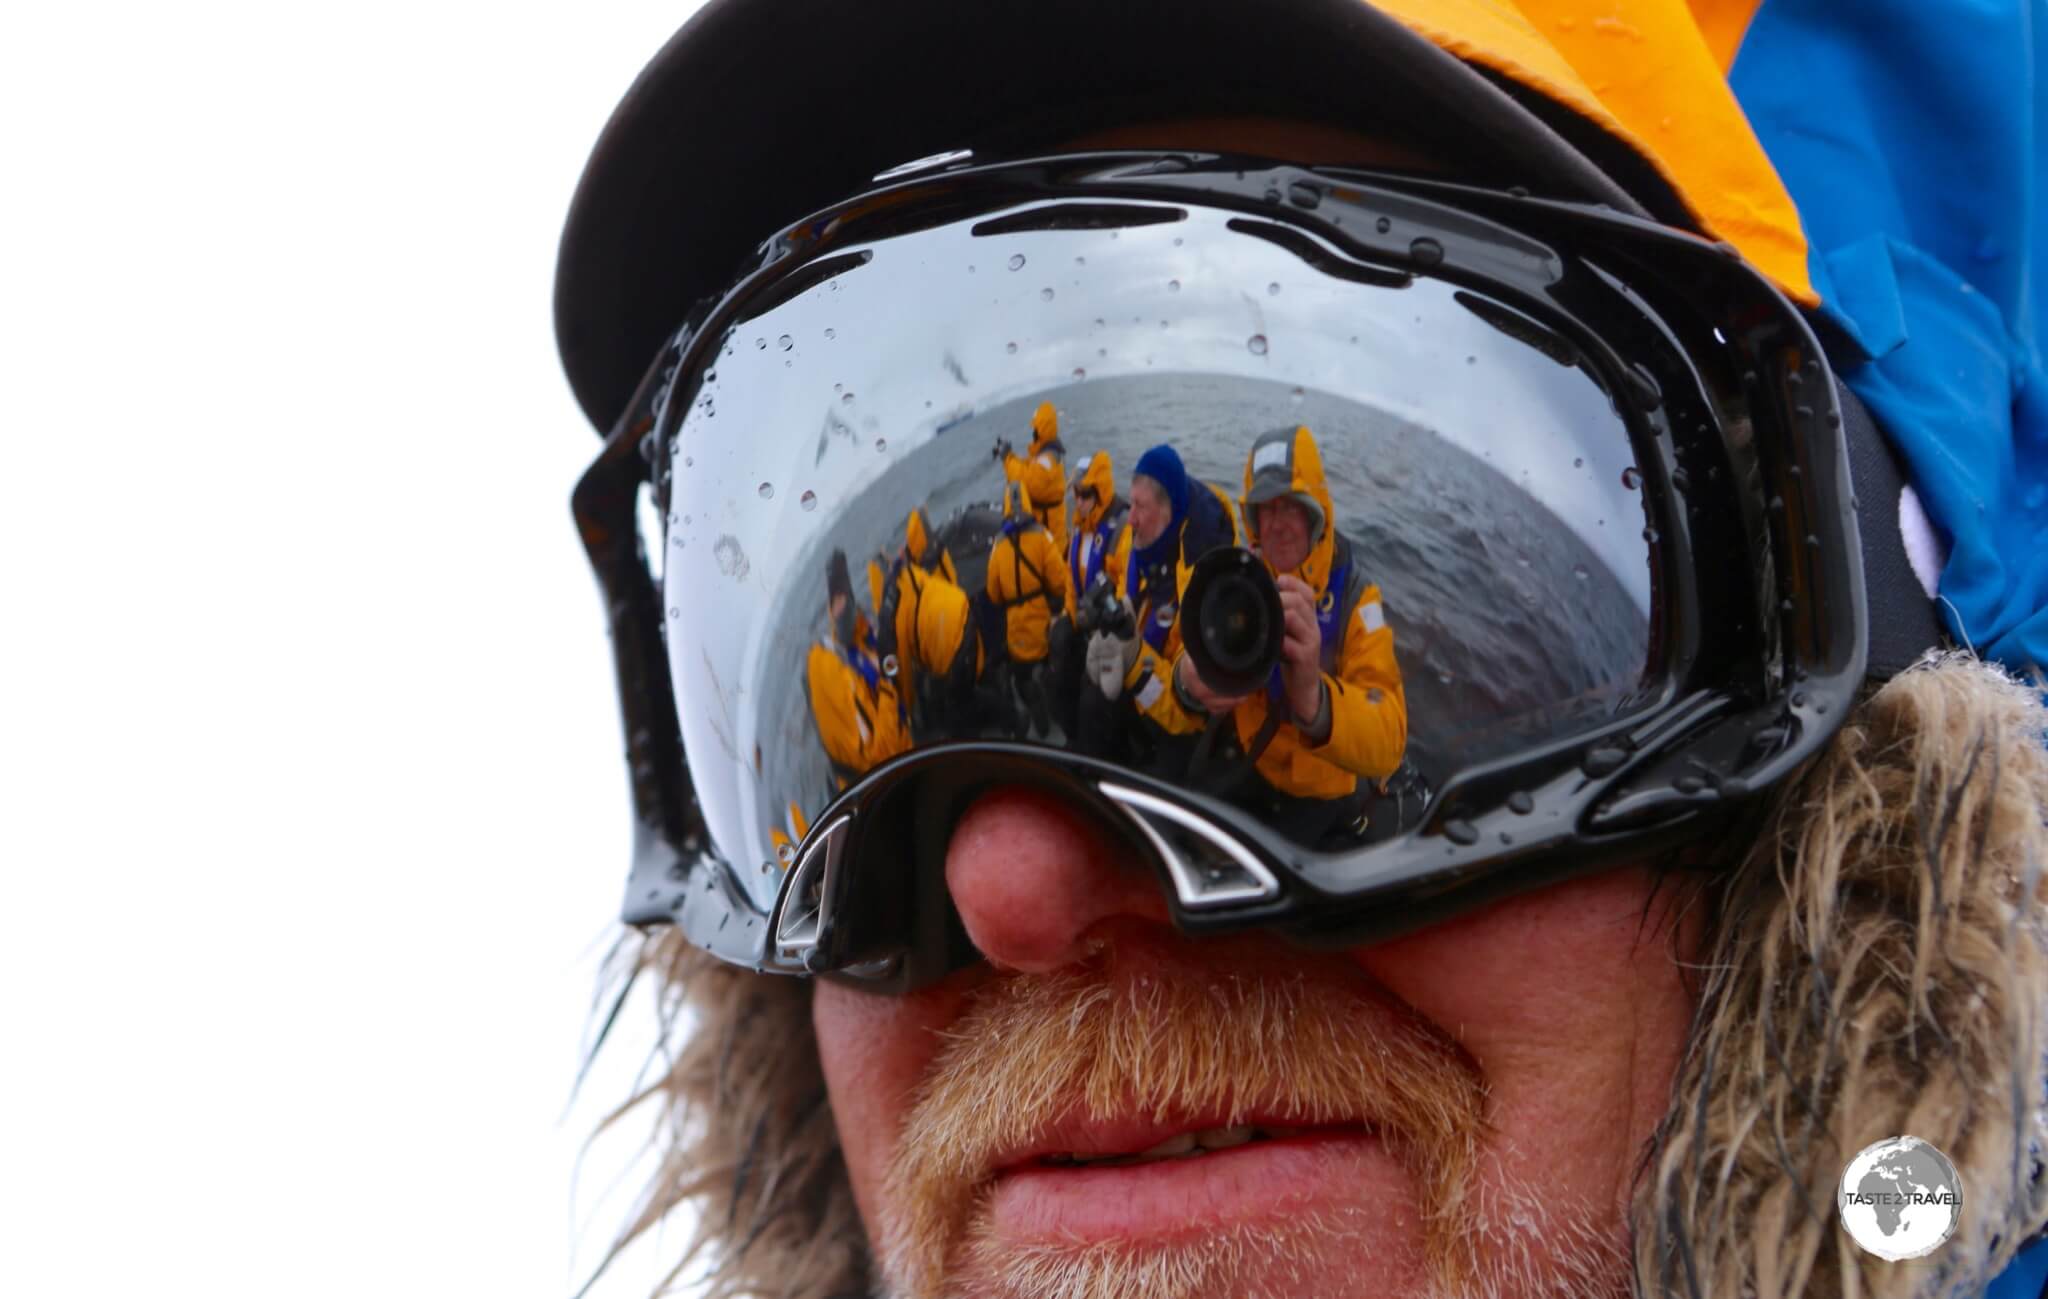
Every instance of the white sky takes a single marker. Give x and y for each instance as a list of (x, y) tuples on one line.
[(312, 814)]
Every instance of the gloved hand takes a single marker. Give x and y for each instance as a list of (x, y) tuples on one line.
[(1109, 661), (1001, 450)]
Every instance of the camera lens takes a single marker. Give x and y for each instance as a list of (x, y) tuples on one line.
[(1231, 621), (1233, 625)]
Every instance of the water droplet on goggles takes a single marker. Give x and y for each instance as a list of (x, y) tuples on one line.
[(1602, 760)]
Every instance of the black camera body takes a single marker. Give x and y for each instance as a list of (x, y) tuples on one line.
[(1103, 609), (1231, 621)]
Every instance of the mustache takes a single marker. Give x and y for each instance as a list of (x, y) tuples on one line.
[(1029, 1051)]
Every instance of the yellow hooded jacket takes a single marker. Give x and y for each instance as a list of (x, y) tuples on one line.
[(931, 615), (1368, 709), (1027, 580), (932, 619), (855, 707), (1089, 547), (917, 540), (1042, 474)]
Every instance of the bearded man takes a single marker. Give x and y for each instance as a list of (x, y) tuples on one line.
[(1732, 865)]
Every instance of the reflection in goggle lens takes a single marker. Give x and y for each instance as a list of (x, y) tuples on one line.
[(1050, 505)]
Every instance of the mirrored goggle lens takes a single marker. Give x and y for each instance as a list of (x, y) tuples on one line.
[(1345, 531)]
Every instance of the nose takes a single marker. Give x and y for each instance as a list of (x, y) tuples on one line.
[(1035, 881)]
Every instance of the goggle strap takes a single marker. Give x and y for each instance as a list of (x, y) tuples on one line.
[(668, 825), (1904, 622)]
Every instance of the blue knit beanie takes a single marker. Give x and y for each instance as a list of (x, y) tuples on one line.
[(1162, 465)]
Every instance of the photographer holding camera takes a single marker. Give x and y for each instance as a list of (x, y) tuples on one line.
[(1039, 475), (1331, 709)]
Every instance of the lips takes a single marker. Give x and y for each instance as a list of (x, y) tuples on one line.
[(1108, 1147), (1184, 1146), (1139, 1181)]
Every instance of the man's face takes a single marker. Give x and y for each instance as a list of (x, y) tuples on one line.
[(1284, 524), (1457, 1109), (1150, 510)]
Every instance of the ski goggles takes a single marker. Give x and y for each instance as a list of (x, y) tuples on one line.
[(995, 475)]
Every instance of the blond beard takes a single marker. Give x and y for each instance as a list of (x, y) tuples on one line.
[(1024, 1047)]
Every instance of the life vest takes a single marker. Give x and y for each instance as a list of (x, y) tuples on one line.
[(863, 663), (1150, 590), (1089, 552)]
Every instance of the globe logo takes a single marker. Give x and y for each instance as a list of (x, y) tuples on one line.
[(1900, 1198)]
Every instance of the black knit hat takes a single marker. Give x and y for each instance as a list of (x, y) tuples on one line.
[(838, 578), (742, 125)]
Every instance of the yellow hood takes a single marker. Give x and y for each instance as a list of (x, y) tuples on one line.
[(1098, 477), (916, 536), (1294, 454), (1045, 426)]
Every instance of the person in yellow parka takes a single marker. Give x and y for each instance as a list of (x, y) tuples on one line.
[(860, 720), (1175, 519), (928, 635), (923, 550), (1042, 474), (1335, 717), (1100, 542), (1098, 548), (1027, 580)]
